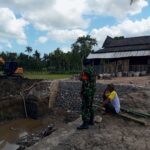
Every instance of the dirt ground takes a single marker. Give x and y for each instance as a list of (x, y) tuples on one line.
[(113, 133), (137, 81), (139, 99)]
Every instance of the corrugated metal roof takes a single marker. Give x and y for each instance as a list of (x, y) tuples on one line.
[(124, 48), (142, 40), (119, 54)]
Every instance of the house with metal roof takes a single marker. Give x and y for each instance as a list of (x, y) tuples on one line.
[(123, 56)]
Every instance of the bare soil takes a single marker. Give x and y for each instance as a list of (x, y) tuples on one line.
[(12, 87), (138, 99), (113, 133), (143, 81)]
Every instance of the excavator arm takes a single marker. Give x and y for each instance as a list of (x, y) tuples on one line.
[(2, 60), (11, 68)]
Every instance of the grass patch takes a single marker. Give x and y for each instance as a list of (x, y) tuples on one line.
[(45, 75)]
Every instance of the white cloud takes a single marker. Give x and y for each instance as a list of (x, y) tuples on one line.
[(63, 20), (47, 14), (11, 27), (62, 14), (66, 49), (127, 28), (116, 8), (66, 35), (42, 39), (62, 36), (5, 42)]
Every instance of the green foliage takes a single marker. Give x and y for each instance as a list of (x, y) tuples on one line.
[(28, 49), (46, 75), (56, 61), (82, 47)]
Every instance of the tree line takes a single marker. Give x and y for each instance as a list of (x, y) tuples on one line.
[(56, 61)]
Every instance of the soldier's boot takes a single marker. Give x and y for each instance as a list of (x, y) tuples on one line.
[(83, 126), (91, 121)]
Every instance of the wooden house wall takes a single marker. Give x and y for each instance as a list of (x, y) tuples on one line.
[(114, 65), (122, 65), (139, 64)]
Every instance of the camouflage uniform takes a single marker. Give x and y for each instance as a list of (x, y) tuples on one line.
[(87, 94)]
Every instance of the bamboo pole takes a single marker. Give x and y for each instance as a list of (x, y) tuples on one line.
[(133, 119), (24, 104), (135, 112)]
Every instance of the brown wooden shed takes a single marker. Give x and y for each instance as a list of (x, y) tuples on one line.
[(124, 56)]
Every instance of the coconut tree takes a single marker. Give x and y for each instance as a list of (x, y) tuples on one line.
[(28, 49)]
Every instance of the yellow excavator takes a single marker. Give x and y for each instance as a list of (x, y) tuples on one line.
[(11, 69)]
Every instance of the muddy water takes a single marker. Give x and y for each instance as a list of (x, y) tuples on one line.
[(12, 130)]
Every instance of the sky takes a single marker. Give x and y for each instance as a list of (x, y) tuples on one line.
[(46, 25)]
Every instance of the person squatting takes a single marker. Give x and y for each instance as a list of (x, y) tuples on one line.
[(111, 100)]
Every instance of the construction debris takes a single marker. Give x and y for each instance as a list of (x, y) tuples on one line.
[(31, 139)]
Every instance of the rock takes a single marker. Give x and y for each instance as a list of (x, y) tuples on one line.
[(98, 119), (33, 138), (13, 129)]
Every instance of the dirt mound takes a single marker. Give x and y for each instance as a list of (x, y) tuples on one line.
[(12, 87), (138, 100)]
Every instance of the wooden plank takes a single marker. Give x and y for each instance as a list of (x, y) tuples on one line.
[(135, 112), (133, 119)]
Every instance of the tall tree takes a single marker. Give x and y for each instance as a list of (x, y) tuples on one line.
[(84, 45), (11, 56), (58, 55), (36, 55), (37, 61)]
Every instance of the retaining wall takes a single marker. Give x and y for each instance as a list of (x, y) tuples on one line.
[(69, 94)]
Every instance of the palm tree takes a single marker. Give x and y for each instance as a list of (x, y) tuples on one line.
[(28, 49), (36, 55)]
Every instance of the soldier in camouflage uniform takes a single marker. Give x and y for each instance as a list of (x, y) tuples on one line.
[(87, 95)]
